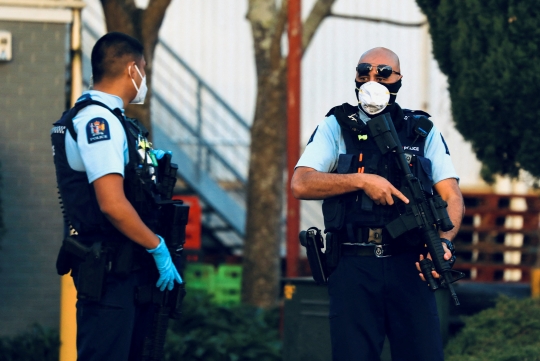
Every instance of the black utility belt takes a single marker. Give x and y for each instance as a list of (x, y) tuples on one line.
[(364, 235), (374, 250)]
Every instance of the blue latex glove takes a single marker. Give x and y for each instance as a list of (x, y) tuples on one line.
[(160, 153), (167, 271)]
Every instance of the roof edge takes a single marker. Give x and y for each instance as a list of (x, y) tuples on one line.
[(72, 4)]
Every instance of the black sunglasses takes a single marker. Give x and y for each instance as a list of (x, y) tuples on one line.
[(384, 71)]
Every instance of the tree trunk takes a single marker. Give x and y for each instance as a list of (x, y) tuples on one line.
[(261, 276), (265, 193), (142, 24)]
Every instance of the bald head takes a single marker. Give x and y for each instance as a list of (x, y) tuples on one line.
[(381, 56), (376, 57)]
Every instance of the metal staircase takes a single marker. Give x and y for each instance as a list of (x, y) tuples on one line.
[(209, 137)]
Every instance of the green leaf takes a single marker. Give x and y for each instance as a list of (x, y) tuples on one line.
[(215, 333), (508, 332)]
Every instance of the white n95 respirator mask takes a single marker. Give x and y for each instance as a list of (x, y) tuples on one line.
[(373, 97), (141, 89)]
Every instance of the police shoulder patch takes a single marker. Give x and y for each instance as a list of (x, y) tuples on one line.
[(97, 129)]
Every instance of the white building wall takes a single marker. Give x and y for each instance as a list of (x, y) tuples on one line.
[(214, 37)]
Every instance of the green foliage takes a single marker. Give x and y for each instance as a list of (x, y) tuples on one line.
[(36, 344), (508, 332), (206, 332), (215, 333), (489, 50)]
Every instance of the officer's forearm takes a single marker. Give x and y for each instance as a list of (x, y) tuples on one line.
[(127, 221), (455, 212), (115, 206), (450, 192), (308, 183)]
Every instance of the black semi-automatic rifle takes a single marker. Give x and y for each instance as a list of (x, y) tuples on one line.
[(426, 214), (168, 304), (172, 227)]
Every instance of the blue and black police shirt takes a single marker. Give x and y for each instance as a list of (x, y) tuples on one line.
[(101, 146), (325, 145)]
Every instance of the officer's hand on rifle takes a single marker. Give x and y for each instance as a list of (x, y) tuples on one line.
[(167, 271), (447, 256), (380, 190)]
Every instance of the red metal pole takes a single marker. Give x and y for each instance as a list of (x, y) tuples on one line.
[(293, 131)]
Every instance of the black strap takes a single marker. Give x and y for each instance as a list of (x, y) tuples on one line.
[(350, 124), (347, 117), (416, 112), (83, 104), (71, 129)]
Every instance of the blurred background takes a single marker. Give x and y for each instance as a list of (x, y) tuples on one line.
[(207, 81)]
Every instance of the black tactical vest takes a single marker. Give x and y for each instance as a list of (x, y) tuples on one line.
[(345, 214), (80, 205)]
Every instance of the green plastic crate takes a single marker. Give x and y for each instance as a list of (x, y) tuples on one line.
[(227, 286), (230, 274), (226, 296), (200, 277)]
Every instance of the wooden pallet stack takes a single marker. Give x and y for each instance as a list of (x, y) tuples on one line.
[(499, 237)]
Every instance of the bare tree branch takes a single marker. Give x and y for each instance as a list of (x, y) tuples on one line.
[(377, 20), (320, 10), (151, 21)]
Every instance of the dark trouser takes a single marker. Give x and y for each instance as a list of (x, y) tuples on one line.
[(114, 328), (372, 297)]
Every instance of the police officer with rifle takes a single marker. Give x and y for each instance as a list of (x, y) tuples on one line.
[(391, 207), (124, 235)]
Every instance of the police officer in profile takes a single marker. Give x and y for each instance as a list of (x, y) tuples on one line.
[(375, 290), (105, 170)]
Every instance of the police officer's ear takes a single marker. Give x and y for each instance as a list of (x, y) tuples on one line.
[(136, 69), (130, 70)]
